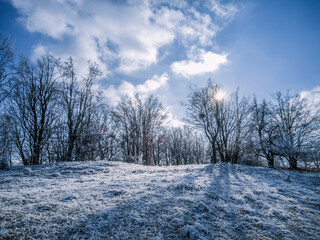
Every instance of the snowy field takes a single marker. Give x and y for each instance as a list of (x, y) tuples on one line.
[(112, 200)]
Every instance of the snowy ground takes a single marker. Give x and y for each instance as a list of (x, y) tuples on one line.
[(111, 200)]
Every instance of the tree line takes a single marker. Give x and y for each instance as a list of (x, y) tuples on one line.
[(50, 114), (284, 130)]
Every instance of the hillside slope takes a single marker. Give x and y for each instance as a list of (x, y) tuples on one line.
[(112, 200)]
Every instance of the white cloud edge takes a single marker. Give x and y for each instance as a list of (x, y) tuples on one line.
[(227, 11), (171, 120), (312, 95), (203, 62), (114, 94)]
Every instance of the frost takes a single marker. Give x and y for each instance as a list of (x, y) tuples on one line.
[(114, 200)]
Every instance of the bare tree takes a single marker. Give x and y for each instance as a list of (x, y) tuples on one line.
[(6, 65), (127, 117), (99, 139), (184, 146), (33, 108), (105, 129), (6, 70), (265, 131), (175, 145), (202, 113), (160, 151), (312, 158), (56, 147), (152, 116), (296, 123), (233, 121), (6, 141), (77, 102), (224, 121), (140, 121)]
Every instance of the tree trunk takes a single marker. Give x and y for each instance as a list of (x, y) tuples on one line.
[(214, 153), (270, 160), (70, 150), (293, 163)]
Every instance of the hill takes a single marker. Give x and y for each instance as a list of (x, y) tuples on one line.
[(113, 200)]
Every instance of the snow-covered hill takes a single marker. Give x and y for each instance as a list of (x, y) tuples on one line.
[(112, 200)]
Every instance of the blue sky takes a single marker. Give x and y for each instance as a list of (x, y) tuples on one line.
[(162, 47)]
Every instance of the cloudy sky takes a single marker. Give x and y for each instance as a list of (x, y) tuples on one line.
[(162, 47)]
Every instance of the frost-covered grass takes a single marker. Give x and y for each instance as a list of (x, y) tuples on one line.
[(112, 200)]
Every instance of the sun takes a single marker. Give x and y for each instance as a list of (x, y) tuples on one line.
[(219, 96)]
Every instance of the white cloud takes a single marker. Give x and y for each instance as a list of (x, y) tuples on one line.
[(128, 35), (152, 84), (204, 28), (202, 62), (114, 94), (39, 50), (227, 11), (312, 95), (171, 121), (189, 27), (83, 29)]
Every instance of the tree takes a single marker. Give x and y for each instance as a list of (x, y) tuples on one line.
[(33, 107), (296, 122), (140, 121), (127, 118), (6, 65), (312, 158), (233, 122), (6, 69), (202, 113), (98, 140), (183, 145), (6, 141), (152, 116), (265, 131), (175, 145), (77, 105), (223, 120)]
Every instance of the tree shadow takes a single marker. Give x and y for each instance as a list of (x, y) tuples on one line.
[(219, 201)]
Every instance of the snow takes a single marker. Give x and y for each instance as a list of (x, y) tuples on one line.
[(114, 200)]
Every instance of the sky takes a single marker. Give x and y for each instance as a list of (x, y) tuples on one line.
[(163, 47)]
